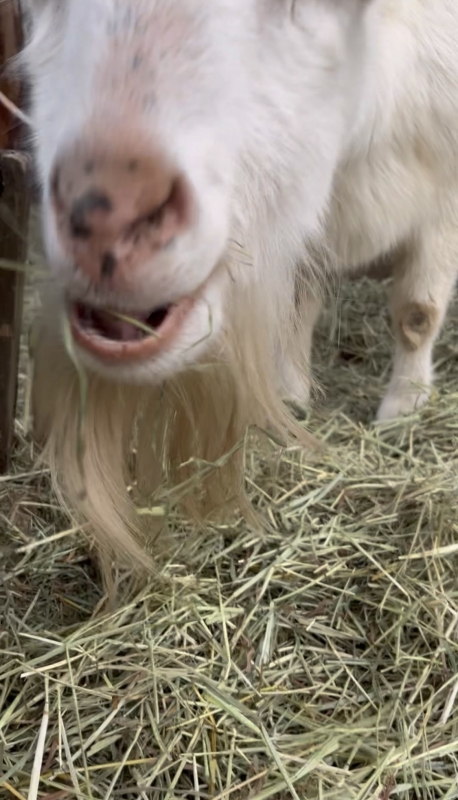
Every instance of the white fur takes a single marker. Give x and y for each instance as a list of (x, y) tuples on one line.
[(318, 135), (323, 118)]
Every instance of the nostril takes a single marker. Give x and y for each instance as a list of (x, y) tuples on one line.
[(155, 217), (115, 209), (79, 229), (165, 219), (152, 217), (84, 206)]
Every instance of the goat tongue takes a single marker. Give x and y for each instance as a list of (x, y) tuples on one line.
[(110, 326)]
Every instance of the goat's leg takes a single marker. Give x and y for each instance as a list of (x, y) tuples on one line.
[(423, 286)]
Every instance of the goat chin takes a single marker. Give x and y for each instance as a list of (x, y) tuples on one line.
[(184, 439)]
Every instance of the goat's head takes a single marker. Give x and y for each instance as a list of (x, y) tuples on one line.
[(166, 128)]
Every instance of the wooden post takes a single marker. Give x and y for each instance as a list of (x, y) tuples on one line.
[(14, 215)]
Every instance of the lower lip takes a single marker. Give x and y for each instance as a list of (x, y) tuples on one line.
[(114, 352)]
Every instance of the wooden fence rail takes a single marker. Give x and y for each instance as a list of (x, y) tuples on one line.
[(14, 216)]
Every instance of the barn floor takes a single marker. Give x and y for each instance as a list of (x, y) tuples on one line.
[(319, 661)]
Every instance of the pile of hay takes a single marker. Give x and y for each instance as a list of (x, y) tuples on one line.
[(315, 660)]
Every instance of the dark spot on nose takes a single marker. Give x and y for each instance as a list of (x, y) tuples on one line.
[(85, 205), (132, 165), (108, 265), (80, 230), (89, 167)]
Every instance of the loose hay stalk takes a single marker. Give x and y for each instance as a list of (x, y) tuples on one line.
[(318, 660)]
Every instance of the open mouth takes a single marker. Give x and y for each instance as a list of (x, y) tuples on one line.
[(115, 336)]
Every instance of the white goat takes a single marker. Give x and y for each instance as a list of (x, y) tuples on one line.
[(206, 166)]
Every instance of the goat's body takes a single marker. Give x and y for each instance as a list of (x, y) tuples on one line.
[(378, 180), (395, 190), (399, 169)]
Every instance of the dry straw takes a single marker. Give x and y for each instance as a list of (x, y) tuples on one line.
[(315, 659)]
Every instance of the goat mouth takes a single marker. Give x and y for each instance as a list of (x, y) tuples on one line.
[(113, 336)]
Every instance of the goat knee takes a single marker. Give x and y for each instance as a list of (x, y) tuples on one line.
[(416, 324)]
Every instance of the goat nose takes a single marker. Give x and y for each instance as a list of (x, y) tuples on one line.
[(114, 212)]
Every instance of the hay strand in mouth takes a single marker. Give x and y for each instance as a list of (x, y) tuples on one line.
[(136, 323)]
